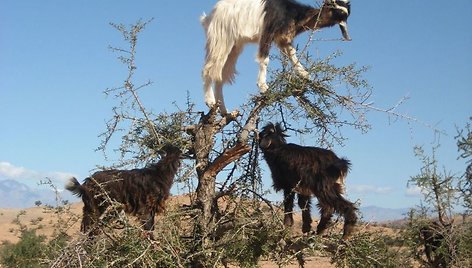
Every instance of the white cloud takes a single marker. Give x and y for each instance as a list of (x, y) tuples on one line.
[(10, 171), (366, 189), (32, 177), (413, 191)]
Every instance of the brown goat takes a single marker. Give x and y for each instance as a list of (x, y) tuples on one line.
[(143, 192), (308, 171)]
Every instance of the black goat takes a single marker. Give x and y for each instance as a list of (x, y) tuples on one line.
[(432, 236), (308, 171), (143, 192)]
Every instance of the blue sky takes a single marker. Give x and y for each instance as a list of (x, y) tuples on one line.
[(55, 64)]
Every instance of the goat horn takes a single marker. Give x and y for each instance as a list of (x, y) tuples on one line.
[(343, 26)]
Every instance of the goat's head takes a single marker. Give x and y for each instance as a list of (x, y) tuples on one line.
[(170, 149), (340, 10), (271, 135)]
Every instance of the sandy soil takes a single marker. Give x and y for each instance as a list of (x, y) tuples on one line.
[(32, 217), (40, 216)]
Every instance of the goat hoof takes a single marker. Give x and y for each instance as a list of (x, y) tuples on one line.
[(231, 116), (212, 107), (288, 221), (210, 102), (263, 87), (304, 75), (148, 235), (348, 231), (217, 108), (309, 234), (306, 229)]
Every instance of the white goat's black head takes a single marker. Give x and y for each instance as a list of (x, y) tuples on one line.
[(341, 10), (271, 135)]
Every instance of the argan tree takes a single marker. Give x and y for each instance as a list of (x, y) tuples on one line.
[(229, 220), (437, 237), (464, 145)]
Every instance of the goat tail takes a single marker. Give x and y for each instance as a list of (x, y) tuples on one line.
[(343, 165), (338, 170), (75, 187)]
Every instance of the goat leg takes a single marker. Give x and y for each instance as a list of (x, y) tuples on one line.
[(289, 196), (304, 202), (326, 212)]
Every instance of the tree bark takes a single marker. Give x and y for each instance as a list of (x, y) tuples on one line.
[(204, 140)]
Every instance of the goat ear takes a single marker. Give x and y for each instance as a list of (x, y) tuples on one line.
[(279, 130), (278, 127), (269, 128)]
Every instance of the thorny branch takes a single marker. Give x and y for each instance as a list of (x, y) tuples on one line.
[(128, 57), (334, 98)]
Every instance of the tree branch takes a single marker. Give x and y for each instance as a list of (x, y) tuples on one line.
[(241, 148), (228, 156)]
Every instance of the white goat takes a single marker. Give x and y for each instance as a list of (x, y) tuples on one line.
[(234, 23)]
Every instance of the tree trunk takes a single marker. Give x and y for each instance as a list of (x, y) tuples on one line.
[(204, 140)]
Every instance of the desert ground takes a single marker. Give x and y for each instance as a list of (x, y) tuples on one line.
[(45, 218)]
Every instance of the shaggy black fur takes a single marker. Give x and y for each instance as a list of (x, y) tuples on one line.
[(433, 239), (143, 192), (307, 171)]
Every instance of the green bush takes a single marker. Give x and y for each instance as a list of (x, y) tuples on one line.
[(27, 252), (366, 249)]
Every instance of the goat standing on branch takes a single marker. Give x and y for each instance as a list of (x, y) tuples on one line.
[(143, 192), (308, 171), (234, 23)]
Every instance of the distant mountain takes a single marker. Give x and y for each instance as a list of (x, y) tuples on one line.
[(11, 185), (14, 194), (379, 214)]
